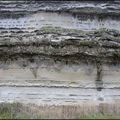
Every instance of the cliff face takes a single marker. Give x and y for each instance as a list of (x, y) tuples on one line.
[(68, 51)]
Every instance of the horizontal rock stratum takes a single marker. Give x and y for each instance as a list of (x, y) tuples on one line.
[(64, 52)]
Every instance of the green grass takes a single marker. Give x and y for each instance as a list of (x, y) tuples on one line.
[(100, 116), (5, 116), (20, 111)]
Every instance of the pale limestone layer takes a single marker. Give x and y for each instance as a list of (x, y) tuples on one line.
[(58, 96), (42, 76), (64, 20), (67, 76)]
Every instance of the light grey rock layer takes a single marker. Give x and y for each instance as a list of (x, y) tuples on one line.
[(82, 15)]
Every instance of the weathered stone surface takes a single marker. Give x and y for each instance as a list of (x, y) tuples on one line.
[(65, 52)]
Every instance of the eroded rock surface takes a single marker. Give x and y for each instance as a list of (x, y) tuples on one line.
[(62, 49)]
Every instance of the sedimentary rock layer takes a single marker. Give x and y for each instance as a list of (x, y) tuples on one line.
[(84, 15), (57, 52)]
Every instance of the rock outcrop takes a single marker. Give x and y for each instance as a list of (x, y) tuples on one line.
[(68, 47)]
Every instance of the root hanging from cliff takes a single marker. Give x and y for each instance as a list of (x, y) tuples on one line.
[(99, 82)]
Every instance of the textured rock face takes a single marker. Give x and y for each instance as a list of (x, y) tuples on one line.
[(59, 52), (83, 15)]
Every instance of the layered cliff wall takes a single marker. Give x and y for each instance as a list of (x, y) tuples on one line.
[(61, 52)]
